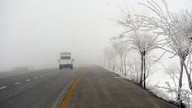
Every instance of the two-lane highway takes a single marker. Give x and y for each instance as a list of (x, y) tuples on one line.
[(89, 87), (38, 89)]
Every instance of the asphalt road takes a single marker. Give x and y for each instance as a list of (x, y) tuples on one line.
[(97, 88), (34, 89), (100, 88)]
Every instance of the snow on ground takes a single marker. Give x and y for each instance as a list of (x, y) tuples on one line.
[(162, 80)]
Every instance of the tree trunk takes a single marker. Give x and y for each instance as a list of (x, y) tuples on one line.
[(180, 83), (188, 76), (137, 72), (144, 69), (137, 77), (114, 67), (121, 63), (141, 75), (125, 65)]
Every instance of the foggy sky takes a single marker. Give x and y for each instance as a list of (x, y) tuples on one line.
[(34, 32)]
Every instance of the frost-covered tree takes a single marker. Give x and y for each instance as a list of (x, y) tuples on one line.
[(172, 88), (109, 56), (176, 29), (121, 48), (133, 65), (142, 41)]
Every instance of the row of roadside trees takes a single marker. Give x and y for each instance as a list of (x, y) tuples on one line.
[(162, 30)]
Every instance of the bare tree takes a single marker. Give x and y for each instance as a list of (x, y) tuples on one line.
[(121, 48), (110, 55), (173, 88), (143, 43), (133, 65), (177, 31), (141, 40)]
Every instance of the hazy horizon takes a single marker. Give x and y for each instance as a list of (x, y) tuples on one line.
[(34, 32)]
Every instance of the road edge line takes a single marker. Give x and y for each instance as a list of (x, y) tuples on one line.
[(61, 96), (68, 97)]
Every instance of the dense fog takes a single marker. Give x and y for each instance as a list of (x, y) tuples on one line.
[(34, 32)]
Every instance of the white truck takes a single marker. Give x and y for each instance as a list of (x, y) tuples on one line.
[(65, 60)]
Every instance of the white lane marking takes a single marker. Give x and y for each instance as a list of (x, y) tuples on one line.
[(28, 80), (16, 92), (3, 87), (16, 83), (35, 77), (117, 77)]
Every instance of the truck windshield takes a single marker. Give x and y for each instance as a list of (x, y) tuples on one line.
[(65, 57)]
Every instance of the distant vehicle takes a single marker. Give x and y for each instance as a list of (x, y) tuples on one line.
[(65, 60)]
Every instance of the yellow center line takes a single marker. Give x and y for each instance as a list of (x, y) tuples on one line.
[(71, 91)]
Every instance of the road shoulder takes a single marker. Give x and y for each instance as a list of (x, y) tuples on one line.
[(100, 88)]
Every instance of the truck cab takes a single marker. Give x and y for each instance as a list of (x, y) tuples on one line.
[(65, 60)]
